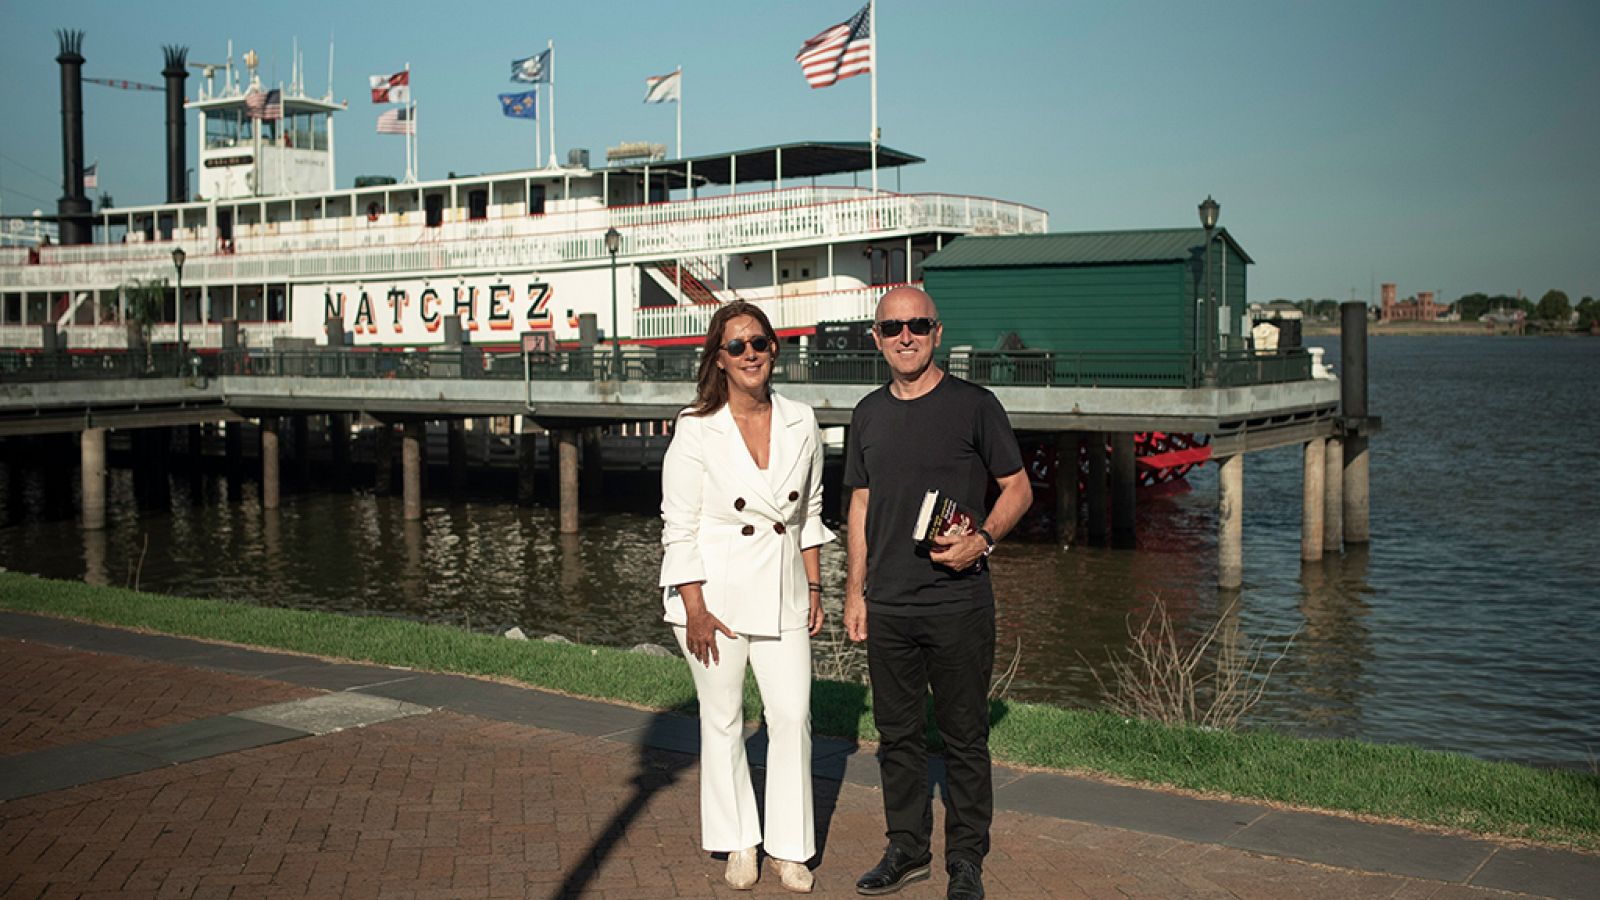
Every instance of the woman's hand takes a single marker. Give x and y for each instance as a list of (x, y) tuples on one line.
[(817, 615), (701, 629)]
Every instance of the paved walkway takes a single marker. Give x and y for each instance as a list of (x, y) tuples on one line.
[(137, 765)]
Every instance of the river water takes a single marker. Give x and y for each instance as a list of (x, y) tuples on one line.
[(1470, 624)]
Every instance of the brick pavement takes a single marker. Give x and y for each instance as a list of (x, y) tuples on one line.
[(447, 805), (52, 697)]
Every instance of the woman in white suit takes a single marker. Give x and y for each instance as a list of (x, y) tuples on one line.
[(741, 498)]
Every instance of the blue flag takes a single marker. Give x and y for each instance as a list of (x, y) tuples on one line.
[(533, 70), (520, 106)]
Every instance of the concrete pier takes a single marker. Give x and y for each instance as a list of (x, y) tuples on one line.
[(567, 449), (1333, 496), (1230, 522), (411, 469), (383, 459), (269, 462), (1124, 489), (1097, 487), (527, 462), (1356, 500), (1068, 444), (339, 446), (456, 444), (92, 454), (1311, 498)]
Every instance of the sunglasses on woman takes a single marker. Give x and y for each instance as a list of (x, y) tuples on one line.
[(760, 343), (920, 326)]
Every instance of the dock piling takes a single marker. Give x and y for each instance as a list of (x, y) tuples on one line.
[(1230, 522), (567, 443), (269, 462), (1125, 484), (1333, 495), (92, 454), (1311, 498), (411, 468), (1068, 444)]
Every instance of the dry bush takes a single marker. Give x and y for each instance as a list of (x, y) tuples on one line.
[(1162, 680)]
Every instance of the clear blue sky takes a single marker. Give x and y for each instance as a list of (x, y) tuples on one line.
[(1451, 145)]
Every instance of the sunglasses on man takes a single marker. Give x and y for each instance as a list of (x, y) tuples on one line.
[(920, 326), (760, 343)]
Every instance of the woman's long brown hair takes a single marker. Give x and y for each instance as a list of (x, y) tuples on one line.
[(712, 392)]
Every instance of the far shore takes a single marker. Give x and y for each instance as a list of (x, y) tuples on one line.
[(1440, 329)]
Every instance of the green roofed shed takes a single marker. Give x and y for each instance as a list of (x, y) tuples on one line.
[(1125, 293)]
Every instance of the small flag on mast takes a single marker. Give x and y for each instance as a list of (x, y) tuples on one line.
[(91, 179), (520, 106), (397, 121), (663, 88), (532, 70), (838, 52), (394, 88)]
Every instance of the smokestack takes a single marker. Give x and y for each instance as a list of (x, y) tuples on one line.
[(177, 170), (72, 210)]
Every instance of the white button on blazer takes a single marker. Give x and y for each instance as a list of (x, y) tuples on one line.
[(737, 529)]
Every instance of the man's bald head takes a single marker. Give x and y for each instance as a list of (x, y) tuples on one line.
[(905, 303)]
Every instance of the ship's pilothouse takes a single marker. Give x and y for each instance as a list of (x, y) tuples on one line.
[(256, 140)]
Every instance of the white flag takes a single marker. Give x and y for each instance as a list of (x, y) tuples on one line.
[(663, 88)]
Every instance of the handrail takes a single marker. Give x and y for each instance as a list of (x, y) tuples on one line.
[(994, 368)]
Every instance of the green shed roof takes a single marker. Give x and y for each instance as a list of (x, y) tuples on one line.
[(1085, 248)]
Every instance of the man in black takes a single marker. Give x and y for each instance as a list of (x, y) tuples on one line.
[(927, 617)]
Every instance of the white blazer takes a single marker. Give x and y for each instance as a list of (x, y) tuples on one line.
[(727, 526)]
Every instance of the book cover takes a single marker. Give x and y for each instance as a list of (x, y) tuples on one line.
[(942, 516)]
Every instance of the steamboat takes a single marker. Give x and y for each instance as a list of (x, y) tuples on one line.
[(642, 247)]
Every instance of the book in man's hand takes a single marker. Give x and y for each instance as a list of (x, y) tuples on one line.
[(942, 516)]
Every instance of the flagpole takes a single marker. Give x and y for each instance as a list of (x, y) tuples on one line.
[(872, 29), (550, 45), (538, 147), (416, 146), (680, 111), (410, 172)]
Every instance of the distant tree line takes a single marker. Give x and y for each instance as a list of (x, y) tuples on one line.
[(1554, 310)]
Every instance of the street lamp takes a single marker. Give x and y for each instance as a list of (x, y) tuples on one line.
[(177, 262), (1209, 210), (613, 243)]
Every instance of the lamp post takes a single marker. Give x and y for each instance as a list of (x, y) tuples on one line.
[(1209, 210), (177, 262), (613, 243)]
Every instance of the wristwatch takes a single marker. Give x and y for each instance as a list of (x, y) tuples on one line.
[(989, 538)]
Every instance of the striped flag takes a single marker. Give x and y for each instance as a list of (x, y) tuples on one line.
[(266, 105), (397, 121), (394, 88), (91, 180), (663, 88), (838, 52)]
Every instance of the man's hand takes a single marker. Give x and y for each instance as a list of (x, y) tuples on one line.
[(959, 552), (855, 617)]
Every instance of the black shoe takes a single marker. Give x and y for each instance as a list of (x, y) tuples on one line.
[(966, 881), (893, 872)]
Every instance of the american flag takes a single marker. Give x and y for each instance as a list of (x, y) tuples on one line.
[(397, 121), (267, 105), (91, 180), (839, 52)]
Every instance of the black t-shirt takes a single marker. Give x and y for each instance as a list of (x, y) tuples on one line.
[(954, 438)]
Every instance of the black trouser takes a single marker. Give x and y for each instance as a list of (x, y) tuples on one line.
[(953, 653)]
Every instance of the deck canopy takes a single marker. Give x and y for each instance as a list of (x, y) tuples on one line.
[(808, 159)]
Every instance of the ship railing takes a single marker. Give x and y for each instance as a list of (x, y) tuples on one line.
[(723, 225), (787, 310), (995, 368)]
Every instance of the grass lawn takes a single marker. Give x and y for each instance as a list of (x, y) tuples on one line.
[(1388, 781)]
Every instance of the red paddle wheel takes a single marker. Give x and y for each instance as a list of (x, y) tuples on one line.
[(1161, 459)]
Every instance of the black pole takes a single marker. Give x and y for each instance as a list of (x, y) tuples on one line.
[(177, 170), (73, 208), (1353, 358)]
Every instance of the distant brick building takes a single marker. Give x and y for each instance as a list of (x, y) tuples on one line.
[(1420, 308)]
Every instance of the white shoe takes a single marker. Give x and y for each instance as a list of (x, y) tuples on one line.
[(742, 870), (795, 876)]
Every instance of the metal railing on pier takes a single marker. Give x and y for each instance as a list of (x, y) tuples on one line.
[(1019, 368)]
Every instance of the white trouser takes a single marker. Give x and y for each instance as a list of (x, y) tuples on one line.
[(728, 820)]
